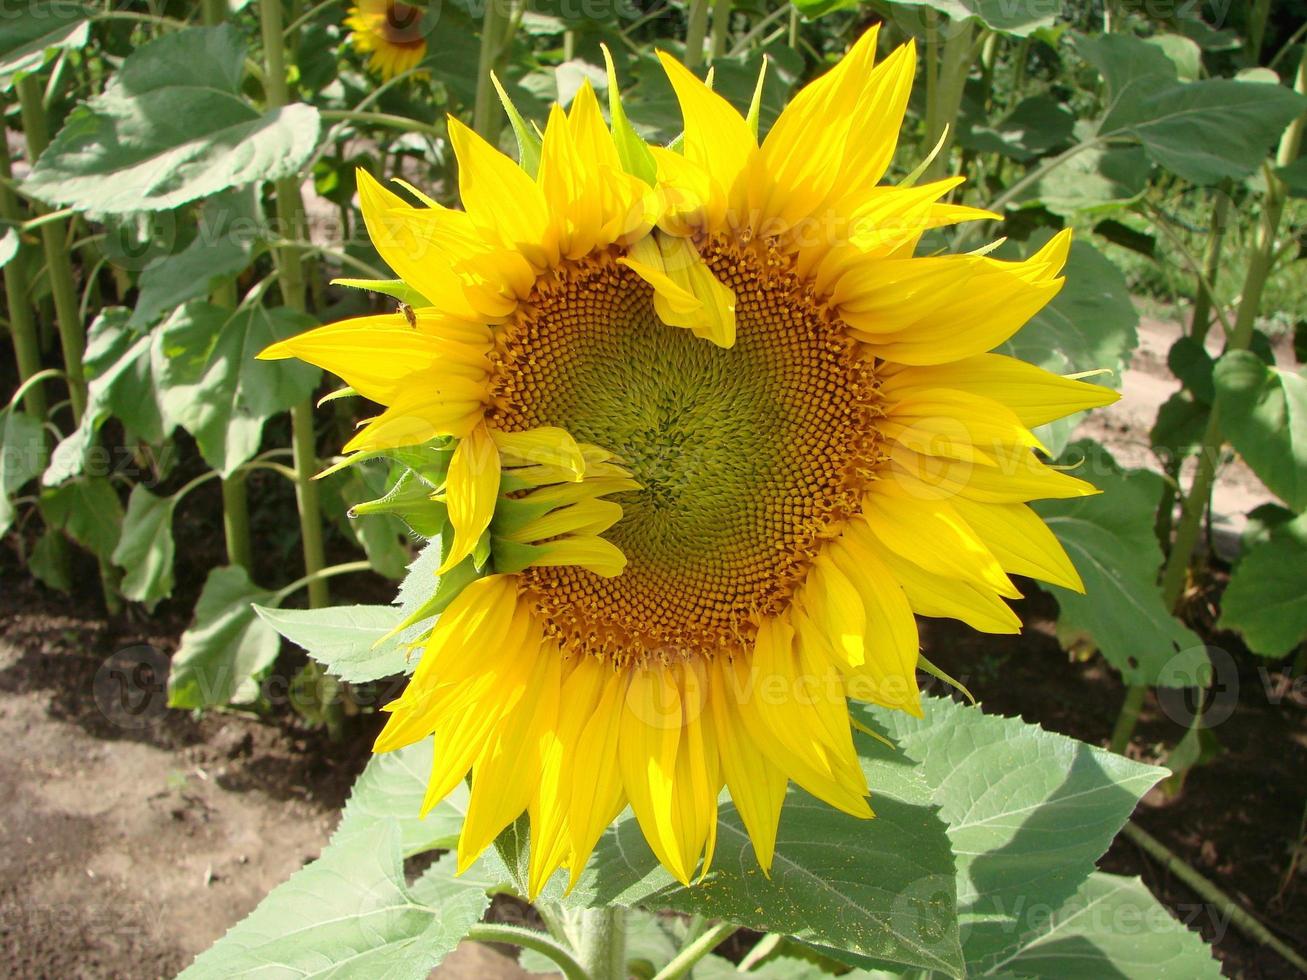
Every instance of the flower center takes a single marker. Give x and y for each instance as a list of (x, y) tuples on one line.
[(745, 456)]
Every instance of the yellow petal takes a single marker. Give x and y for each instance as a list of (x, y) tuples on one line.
[(501, 198), (686, 293), (546, 445), (471, 489), (1021, 541)]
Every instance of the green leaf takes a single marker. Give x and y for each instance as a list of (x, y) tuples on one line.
[(1089, 325), (226, 646), (1294, 176), (350, 913), (1028, 811), (1111, 927), (172, 126), (391, 790), (1264, 415), (1111, 540), (213, 386), (1203, 131), (1035, 126), (23, 455), (1096, 180), (221, 249), (145, 550), (1210, 130), (120, 375), (1183, 53), (1019, 18), (343, 639), (1266, 600), (49, 563), (28, 36), (88, 511)]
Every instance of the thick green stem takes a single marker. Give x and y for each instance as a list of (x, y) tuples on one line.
[(954, 67), (1128, 718), (214, 11), (602, 949), (290, 271), (236, 521), (721, 28), (485, 112), (384, 119), (22, 324), (1257, 17), (1234, 913), (1203, 299), (72, 336), (696, 30), (684, 961)]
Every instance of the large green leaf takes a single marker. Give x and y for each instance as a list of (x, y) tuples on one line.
[(344, 639), (145, 550), (1264, 415), (1096, 180), (1111, 541), (1035, 126), (1029, 812), (213, 386), (223, 245), (1090, 325), (351, 914), (391, 789), (226, 647), (1111, 927), (1204, 131), (23, 454), (1017, 17), (120, 376), (28, 34), (172, 126), (1266, 600), (88, 511)]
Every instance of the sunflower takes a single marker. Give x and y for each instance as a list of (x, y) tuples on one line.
[(389, 33), (705, 434)]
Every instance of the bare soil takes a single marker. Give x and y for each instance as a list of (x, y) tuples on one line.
[(132, 837)]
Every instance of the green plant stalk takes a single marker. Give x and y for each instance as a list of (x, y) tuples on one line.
[(602, 949), (485, 110), (955, 65), (67, 310), (696, 30), (1238, 917), (72, 337), (235, 503), (290, 272), (1257, 17), (701, 946), (1201, 322), (721, 28), (22, 324), (214, 11), (1196, 500)]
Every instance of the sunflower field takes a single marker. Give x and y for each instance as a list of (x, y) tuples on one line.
[(654, 488)]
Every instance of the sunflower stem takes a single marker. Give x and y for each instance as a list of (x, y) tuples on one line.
[(955, 66), (602, 949), (72, 339), (696, 30), (382, 119), (485, 114), (1260, 261), (721, 28), (22, 325), (290, 272), (1201, 321), (684, 961), (214, 11)]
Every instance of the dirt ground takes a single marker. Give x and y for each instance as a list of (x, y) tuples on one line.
[(132, 837)]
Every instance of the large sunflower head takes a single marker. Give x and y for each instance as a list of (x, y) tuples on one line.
[(389, 33), (702, 433)]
